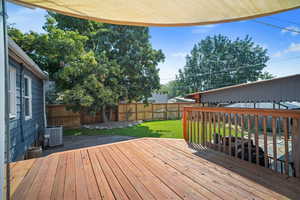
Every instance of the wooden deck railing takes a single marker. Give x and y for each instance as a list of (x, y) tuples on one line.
[(266, 137)]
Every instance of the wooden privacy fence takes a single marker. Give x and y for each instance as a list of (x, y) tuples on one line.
[(58, 115), (243, 133), (153, 111)]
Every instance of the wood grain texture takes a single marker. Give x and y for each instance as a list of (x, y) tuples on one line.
[(148, 169), (274, 131), (248, 111)]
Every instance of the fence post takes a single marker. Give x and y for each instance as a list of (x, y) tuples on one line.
[(296, 145), (136, 112), (166, 107), (152, 111), (178, 110), (184, 121)]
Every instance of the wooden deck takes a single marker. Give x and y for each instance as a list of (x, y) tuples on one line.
[(147, 169)]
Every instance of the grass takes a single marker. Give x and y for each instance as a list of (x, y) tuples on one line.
[(160, 129), (209, 129)]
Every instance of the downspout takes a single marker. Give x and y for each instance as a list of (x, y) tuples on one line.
[(4, 116), (44, 101)]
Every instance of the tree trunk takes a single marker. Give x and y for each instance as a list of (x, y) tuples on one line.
[(110, 113), (103, 114)]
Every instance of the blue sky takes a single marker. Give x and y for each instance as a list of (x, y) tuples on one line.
[(283, 46)]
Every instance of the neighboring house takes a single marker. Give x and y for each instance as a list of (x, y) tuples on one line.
[(26, 99), (180, 100), (276, 90), (158, 98), (282, 105)]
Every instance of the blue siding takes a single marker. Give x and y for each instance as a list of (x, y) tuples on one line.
[(23, 132)]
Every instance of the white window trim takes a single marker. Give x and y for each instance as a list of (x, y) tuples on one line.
[(28, 97), (12, 91)]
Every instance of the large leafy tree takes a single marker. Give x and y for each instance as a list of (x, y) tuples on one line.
[(129, 46), (90, 85), (94, 64), (50, 50), (218, 61)]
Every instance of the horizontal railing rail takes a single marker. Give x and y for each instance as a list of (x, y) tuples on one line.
[(266, 137)]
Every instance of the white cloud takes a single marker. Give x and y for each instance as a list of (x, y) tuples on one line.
[(203, 28), (179, 54), (208, 26), (294, 47), (277, 54), (294, 28)]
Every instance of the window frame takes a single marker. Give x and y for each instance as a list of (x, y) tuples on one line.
[(29, 97), (12, 92)]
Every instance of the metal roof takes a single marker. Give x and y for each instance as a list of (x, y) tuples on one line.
[(273, 90)]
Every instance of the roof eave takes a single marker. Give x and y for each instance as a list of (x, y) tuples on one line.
[(28, 62)]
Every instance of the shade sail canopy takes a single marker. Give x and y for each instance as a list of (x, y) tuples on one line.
[(164, 12)]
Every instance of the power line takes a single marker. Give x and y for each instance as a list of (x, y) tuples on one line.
[(288, 59), (277, 26), (230, 70), (284, 20)]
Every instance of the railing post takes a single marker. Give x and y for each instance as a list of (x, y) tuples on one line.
[(296, 145), (184, 122)]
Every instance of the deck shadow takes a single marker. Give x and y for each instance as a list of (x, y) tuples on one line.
[(78, 142), (265, 177)]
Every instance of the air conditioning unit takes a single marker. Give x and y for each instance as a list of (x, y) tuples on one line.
[(54, 136)]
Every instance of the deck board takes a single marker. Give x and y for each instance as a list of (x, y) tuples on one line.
[(147, 168), (59, 179), (261, 175), (80, 178), (225, 175), (153, 184), (216, 185), (18, 171), (103, 185)]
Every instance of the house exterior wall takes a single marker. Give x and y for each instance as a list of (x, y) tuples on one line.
[(276, 90), (24, 132)]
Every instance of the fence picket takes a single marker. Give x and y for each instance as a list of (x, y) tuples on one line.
[(265, 141), (242, 137), (223, 122), (274, 142), (249, 140), (286, 146), (224, 132), (229, 130), (219, 133), (236, 136)]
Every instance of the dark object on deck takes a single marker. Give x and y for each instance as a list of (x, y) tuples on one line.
[(34, 152), (240, 144)]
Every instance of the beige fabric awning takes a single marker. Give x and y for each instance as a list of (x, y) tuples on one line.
[(164, 12)]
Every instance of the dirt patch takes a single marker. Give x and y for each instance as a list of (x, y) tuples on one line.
[(112, 125)]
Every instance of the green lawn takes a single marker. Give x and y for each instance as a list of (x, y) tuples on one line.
[(162, 129)]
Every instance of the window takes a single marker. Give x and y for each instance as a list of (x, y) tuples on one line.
[(27, 98), (12, 93)]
